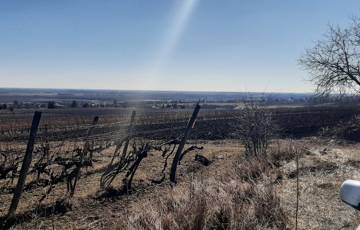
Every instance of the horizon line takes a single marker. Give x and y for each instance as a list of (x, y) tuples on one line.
[(153, 90)]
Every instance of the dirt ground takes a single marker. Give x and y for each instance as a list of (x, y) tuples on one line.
[(324, 167)]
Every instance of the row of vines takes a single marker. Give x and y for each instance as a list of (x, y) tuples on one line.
[(49, 163)]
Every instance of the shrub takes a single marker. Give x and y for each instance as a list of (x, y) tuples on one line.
[(255, 130)]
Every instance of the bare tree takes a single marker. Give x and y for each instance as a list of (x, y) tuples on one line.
[(334, 62)]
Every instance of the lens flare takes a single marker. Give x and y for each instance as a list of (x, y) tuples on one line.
[(152, 78), (172, 36)]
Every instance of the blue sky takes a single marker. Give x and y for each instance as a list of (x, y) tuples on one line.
[(207, 45)]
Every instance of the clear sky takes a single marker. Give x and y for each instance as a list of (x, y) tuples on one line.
[(207, 45)]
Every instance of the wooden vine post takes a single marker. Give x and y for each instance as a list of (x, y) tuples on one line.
[(25, 165), (180, 149)]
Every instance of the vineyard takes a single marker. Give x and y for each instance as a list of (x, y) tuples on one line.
[(73, 124), (100, 152), (115, 155)]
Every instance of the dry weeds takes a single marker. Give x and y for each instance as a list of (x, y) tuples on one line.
[(231, 193)]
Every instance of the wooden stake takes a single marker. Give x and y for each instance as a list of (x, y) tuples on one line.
[(190, 125), (25, 165)]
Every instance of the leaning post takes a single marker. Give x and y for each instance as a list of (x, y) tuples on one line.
[(179, 151), (25, 165)]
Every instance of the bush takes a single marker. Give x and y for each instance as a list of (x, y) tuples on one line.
[(255, 130)]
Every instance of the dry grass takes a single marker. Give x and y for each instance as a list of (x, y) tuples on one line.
[(231, 193), (322, 170), (213, 197), (212, 203)]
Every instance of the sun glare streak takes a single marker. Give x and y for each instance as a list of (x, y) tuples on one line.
[(177, 27), (152, 77)]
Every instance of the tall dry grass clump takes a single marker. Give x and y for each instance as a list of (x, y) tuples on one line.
[(227, 200)]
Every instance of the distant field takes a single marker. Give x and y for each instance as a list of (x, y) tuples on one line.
[(211, 123)]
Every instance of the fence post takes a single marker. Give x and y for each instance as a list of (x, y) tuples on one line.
[(25, 165), (189, 126)]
